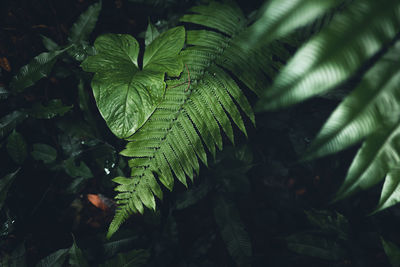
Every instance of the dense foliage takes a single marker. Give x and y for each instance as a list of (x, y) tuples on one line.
[(170, 92)]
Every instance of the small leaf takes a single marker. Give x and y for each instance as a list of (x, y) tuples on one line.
[(81, 170), (39, 67), (5, 184), (16, 147), (392, 251), (134, 258), (151, 34), (390, 194), (49, 44), (85, 24), (3, 92), (54, 108), (76, 258), (10, 121), (56, 259), (44, 152)]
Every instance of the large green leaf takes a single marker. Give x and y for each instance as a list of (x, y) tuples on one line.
[(85, 24), (280, 17), (125, 95), (374, 102), (151, 34), (336, 53)]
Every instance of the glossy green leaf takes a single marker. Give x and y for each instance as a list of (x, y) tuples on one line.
[(76, 258), (53, 108), (281, 17), (10, 121), (85, 24), (134, 258), (39, 67), (125, 95), (44, 152), (151, 34), (392, 251), (5, 184), (335, 54), (16, 147)]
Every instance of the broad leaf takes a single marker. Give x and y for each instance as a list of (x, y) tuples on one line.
[(280, 17), (392, 251), (39, 67), (125, 95), (44, 152), (151, 34), (54, 108), (56, 259), (335, 54), (85, 24), (16, 147), (49, 44), (5, 184)]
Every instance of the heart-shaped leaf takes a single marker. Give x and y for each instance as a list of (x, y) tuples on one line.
[(126, 96)]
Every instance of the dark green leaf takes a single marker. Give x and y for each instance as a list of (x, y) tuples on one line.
[(233, 231), (16, 259), (10, 121), (85, 24), (49, 44), (134, 258), (81, 170), (392, 251), (55, 259), (315, 246), (151, 34), (81, 51), (54, 108), (39, 67), (3, 92), (44, 152), (5, 184), (76, 258), (16, 147)]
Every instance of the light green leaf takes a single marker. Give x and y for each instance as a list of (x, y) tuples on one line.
[(151, 34), (76, 258), (390, 194), (39, 67), (55, 259), (134, 258), (377, 156), (85, 24), (44, 152), (54, 108), (10, 121), (281, 17), (335, 54), (125, 95), (16, 147), (5, 184)]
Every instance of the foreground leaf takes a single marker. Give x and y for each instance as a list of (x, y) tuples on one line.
[(125, 95), (390, 194), (336, 53), (151, 34)]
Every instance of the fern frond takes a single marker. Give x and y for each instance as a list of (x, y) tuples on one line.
[(190, 119), (336, 53)]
